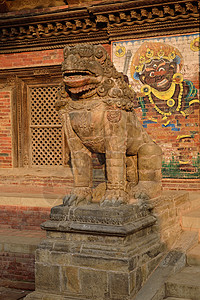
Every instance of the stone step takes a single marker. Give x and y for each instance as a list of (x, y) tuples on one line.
[(194, 198), (172, 298), (185, 284), (191, 219), (174, 261), (193, 256), (12, 294)]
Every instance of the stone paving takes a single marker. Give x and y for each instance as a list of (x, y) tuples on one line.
[(12, 294)]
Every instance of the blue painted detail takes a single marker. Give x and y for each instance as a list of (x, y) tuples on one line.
[(169, 125), (144, 125), (175, 129), (136, 76), (172, 126), (149, 122), (177, 59)]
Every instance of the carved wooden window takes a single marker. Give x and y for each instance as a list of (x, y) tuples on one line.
[(37, 135), (46, 133)]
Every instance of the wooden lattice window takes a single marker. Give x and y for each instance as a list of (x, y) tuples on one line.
[(38, 139), (46, 133)]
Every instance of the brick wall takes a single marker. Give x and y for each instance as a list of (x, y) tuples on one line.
[(30, 59), (17, 270), (20, 232), (181, 184), (23, 217), (5, 130), (35, 58)]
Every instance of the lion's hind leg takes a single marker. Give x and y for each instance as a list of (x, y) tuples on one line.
[(149, 172)]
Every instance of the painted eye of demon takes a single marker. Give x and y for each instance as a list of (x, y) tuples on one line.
[(152, 74)]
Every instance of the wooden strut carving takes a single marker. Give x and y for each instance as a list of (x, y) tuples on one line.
[(96, 108), (96, 20)]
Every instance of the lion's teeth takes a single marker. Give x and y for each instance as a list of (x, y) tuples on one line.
[(81, 88)]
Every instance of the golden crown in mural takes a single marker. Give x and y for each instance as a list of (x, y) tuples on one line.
[(149, 51)]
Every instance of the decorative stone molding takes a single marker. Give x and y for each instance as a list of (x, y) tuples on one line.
[(93, 219), (96, 23)]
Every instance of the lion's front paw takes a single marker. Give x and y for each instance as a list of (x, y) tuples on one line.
[(146, 190), (78, 196), (114, 198)]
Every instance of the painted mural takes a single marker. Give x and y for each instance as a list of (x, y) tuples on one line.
[(164, 72)]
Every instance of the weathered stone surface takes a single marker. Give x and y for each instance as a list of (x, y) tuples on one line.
[(96, 107), (193, 256), (100, 253), (149, 163), (174, 261), (116, 220), (93, 283), (192, 219), (186, 284), (45, 296), (96, 263), (70, 279), (52, 296), (119, 284), (173, 298), (103, 263), (12, 294), (47, 277)]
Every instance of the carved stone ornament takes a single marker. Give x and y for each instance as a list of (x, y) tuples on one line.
[(118, 220), (110, 21), (96, 108)]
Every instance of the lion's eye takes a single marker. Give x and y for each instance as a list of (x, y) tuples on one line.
[(152, 74)]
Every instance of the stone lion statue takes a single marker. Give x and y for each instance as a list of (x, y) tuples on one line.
[(97, 110)]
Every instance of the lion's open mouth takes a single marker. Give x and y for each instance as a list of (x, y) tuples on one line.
[(79, 81)]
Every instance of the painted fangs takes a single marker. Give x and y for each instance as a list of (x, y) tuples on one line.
[(162, 82)]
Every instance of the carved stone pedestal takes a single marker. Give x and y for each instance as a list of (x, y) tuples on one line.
[(96, 253)]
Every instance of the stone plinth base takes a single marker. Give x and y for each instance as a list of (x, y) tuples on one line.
[(96, 253)]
